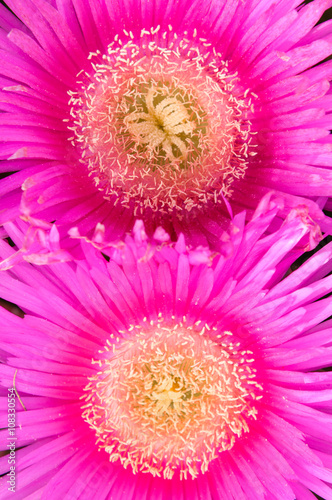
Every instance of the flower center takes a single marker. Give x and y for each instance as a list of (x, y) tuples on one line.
[(165, 124), (161, 123), (169, 399)]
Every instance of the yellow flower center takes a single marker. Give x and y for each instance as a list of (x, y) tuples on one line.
[(161, 125), (170, 399)]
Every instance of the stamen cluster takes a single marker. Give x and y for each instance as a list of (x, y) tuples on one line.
[(170, 398), (161, 125)]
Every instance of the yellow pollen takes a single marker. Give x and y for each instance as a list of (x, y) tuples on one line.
[(171, 398), (161, 124)]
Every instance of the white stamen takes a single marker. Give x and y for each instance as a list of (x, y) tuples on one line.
[(168, 399)]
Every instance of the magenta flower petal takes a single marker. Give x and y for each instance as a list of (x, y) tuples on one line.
[(165, 371), (42, 243), (175, 112)]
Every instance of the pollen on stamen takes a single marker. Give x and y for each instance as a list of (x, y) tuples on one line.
[(161, 127), (169, 400)]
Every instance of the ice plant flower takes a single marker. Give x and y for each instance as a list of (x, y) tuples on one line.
[(170, 372), (163, 111)]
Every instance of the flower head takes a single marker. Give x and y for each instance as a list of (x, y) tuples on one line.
[(163, 111), (166, 370), (159, 124)]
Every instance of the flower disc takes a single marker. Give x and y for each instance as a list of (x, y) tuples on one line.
[(170, 398), (161, 127)]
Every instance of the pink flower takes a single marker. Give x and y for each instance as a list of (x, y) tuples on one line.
[(170, 372), (174, 109)]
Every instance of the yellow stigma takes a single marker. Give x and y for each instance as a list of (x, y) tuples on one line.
[(161, 125), (169, 399)]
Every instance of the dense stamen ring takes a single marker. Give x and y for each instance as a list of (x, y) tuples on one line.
[(164, 127), (170, 399)]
